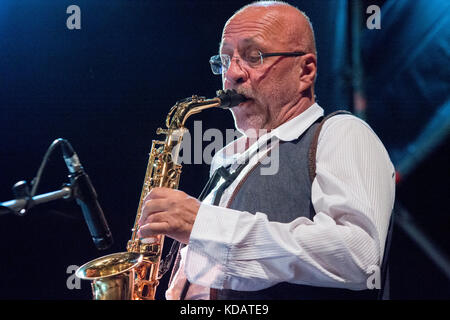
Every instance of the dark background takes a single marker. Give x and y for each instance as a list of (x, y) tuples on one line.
[(108, 87)]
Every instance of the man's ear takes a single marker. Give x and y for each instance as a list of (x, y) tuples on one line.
[(308, 72)]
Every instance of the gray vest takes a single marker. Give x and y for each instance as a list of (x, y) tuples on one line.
[(284, 197)]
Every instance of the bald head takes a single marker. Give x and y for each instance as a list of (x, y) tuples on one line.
[(269, 56), (292, 25)]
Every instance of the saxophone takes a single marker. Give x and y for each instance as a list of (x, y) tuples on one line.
[(135, 274)]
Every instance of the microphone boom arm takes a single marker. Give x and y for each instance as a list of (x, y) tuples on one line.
[(18, 206)]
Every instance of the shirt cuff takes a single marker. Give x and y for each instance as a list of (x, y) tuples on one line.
[(209, 245)]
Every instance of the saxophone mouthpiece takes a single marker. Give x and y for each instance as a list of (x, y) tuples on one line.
[(229, 98)]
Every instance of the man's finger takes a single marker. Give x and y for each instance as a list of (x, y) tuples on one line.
[(151, 207), (152, 229), (154, 218), (157, 193)]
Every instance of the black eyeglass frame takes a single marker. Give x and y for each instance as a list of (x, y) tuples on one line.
[(216, 58), (286, 54)]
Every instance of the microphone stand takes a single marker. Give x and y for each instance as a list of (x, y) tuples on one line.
[(24, 201), (80, 188)]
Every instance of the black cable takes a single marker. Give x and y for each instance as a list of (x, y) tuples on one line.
[(37, 179)]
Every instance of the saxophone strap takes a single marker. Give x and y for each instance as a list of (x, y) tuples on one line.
[(228, 180)]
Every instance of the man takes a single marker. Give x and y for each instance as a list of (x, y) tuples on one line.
[(278, 236)]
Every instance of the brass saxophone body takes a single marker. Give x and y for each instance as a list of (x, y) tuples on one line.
[(135, 274)]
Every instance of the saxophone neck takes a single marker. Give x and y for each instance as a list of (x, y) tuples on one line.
[(183, 109)]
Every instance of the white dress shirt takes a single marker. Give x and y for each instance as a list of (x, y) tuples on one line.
[(352, 195)]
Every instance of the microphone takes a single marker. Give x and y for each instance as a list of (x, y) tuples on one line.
[(86, 197)]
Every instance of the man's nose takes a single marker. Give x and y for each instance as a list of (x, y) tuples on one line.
[(236, 73)]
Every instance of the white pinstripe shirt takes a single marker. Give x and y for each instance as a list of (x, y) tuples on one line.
[(352, 194)]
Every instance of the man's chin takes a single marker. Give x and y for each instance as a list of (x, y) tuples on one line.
[(245, 122)]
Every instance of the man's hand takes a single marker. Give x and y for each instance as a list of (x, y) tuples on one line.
[(170, 212)]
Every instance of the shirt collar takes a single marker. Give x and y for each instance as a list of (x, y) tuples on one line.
[(288, 131), (295, 127)]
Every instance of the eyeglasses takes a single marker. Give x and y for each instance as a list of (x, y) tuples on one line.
[(221, 63)]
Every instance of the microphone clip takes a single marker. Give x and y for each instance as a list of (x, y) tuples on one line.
[(21, 191)]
